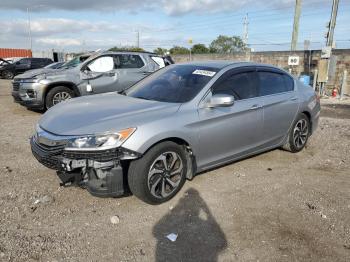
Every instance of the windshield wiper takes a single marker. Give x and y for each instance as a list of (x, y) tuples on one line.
[(140, 97)]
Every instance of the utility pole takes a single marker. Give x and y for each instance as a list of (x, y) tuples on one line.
[(296, 25), (29, 30), (138, 38), (332, 23), (245, 30)]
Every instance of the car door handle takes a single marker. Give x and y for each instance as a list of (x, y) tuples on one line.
[(294, 98), (146, 73), (254, 107), (110, 74)]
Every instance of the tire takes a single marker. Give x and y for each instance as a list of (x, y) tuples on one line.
[(8, 75), (147, 175), (57, 95), (298, 134)]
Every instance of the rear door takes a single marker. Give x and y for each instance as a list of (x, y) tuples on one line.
[(227, 132), (36, 63), (280, 104), (131, 68)]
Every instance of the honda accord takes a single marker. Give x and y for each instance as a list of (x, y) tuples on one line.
[(179, 121)]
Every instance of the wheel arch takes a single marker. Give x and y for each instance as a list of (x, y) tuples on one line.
[(191, 159), (308, 114), (67, 84)]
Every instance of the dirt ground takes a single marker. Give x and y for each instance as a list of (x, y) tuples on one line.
[(276, 206)]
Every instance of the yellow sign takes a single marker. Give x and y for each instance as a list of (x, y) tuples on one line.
[(190, 41)]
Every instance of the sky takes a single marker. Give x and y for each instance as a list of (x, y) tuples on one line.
[(81, 25)]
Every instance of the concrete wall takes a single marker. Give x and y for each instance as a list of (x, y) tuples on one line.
[(308, 62)]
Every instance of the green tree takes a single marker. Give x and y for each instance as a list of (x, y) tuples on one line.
[(160, 51), (227, 44), (199, 49), (179, 50), (126, 48)]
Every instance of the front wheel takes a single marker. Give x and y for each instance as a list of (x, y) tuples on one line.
[(57, 95), (298, 134), (8, 74), (159, 174)]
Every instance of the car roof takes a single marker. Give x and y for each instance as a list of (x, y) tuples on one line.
[(127, 52), (220, 64)]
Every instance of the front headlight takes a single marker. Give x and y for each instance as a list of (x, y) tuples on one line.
[(101, 141), (29, 80)]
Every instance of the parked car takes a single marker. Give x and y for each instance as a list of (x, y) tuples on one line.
[(26, 80), (24, 64), (179, 121), (101, 73)]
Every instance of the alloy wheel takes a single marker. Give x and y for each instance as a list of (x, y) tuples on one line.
[(165, 174), (300, 133), (60, 96)]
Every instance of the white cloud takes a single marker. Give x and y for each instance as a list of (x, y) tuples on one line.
[(60, 42), (171, 7)]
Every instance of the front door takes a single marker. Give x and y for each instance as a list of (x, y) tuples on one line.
[(229, 132), (23, 65), (100, 75)]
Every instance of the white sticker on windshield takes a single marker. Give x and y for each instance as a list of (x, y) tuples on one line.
[(204, 72)]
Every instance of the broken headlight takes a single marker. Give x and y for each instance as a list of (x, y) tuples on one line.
[(100, 141)]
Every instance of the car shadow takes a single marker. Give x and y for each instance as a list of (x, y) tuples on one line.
[(200, 237)]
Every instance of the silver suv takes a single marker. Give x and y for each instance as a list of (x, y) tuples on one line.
[(179, 121), (101, 73)]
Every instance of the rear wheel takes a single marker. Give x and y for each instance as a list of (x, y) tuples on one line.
[(57, 95), (298, 135), (159, 174), (8, 75)]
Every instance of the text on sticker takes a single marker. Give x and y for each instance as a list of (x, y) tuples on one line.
[(204, 73)]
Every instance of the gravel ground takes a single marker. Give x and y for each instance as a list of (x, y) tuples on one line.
[(276, 206)]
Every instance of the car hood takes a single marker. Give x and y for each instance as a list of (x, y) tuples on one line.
[(47, 73), (108, 112), (34, 73)]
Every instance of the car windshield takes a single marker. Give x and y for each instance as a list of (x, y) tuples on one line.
[(72, 63), (173, 84)]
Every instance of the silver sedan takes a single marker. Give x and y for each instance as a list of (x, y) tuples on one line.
[(181, 120)]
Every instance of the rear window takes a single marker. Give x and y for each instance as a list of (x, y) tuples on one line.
[(274, 83), (159, 61), (128, 61)]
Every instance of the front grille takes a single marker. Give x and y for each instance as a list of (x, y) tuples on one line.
[(15, 85), (48, 156), (100, 156)]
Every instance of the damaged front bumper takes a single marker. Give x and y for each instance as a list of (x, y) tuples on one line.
[(99, 171)]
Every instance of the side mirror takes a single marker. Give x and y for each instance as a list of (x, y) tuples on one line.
[(221, 100)]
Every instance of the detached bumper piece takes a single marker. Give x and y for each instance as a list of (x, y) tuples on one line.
[(99, 172)]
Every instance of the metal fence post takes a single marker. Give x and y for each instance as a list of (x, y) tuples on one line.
[(315, 80), (343, 85)]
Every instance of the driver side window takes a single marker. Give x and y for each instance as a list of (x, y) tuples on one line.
[(239, 85), (101, 64)]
